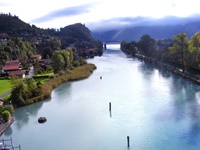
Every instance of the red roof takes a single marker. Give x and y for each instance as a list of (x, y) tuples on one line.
[(17, 73), (11, 67)]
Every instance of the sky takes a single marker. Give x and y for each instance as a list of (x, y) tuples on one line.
[(101, 14)]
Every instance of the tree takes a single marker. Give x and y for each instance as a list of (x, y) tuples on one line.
[(18, 95), (179, 50), (15, 81), (58, 61), (30, 82), (147, 45), (194, 48), (6, 115)]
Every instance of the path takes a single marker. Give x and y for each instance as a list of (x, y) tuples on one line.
[(31, 73), (5, 94)]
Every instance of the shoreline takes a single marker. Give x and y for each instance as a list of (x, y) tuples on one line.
[(6, 125), (88, 70), (185, 75)]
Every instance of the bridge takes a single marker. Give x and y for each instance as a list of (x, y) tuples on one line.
[(109, 43)]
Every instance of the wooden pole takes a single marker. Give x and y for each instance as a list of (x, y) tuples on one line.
[(128, 141), (3, 141), (11, 140), (110, 106)]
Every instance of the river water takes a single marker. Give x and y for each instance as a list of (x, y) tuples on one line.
[(158, 110)]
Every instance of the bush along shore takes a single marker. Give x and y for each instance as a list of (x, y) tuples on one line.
[(43, 90)]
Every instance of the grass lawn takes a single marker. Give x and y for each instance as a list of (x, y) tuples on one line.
[(45, 74), (44, 79), (5, 85)]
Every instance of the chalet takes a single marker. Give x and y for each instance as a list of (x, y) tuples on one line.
[(3, 40), (3, 37), (20, 74), (45, 61), (36, 56), (10, 66)]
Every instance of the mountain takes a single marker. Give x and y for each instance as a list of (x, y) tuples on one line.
[(78, 31), (155, 31), (14, 26), (20, 40)]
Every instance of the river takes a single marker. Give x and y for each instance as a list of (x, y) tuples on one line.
[(158, 110)]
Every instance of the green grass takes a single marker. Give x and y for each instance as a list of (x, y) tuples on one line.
[(5, 85), (45, 74), (43, 80)]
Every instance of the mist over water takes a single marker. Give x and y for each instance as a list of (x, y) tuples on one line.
[(158, 110)]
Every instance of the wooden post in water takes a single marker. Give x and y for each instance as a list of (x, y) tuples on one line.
[(110, 106), (128, 144)]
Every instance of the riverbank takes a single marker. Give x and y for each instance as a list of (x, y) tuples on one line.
[(192, 77), (5, 125), (78, 73)]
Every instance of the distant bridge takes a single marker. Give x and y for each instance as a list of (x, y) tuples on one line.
[(109, 43)]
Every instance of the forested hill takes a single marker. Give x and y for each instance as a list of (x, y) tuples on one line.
[(14, 26), (77, 31), (156, 32), (20, 40)]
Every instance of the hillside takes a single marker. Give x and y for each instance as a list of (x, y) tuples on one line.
[(156, 32), (14, 26), (20, 40)]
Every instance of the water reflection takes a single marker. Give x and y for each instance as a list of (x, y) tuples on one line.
[(63, 90), (8, 132), (23, 114), (147, 69), (164, 73), (192, 134)]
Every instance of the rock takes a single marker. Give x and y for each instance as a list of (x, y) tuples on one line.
[(42, 120)]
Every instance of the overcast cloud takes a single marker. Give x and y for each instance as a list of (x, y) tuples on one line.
[(65, 12), (102, 14)]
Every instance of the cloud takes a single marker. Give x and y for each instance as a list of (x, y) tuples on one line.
[(3, 4), (124, 22), (64, 12)]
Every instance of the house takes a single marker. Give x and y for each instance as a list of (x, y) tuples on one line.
[(36, 56), (45, 61), (12, 68), (20, 74), (13, 65)]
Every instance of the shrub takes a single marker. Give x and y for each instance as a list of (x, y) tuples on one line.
[(9, 108), (6, 115), (76, 63)]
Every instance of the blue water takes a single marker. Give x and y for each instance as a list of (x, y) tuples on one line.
[(158, 110)]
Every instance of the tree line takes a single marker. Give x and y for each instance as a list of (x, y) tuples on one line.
[(178, 51)]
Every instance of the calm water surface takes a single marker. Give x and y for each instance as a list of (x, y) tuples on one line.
[(156, 109)]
